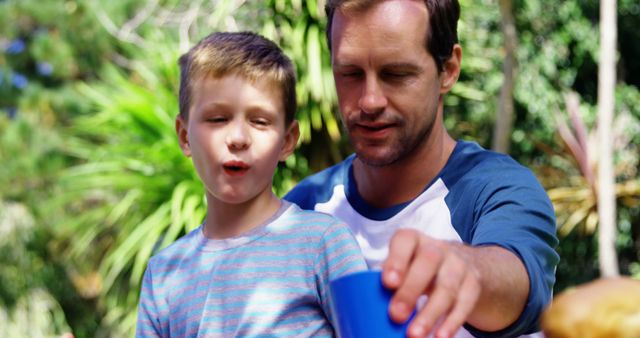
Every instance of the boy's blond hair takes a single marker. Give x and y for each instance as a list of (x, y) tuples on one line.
[(245, 54)]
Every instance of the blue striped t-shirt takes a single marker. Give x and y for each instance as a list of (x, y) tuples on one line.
[(269, 282)]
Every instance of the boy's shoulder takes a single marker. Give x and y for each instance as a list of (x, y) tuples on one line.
[(293, 220), (297, 219), (178, 250)]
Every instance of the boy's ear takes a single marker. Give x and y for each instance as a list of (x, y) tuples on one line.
[(183, 137), (290, 140), (451, 70)]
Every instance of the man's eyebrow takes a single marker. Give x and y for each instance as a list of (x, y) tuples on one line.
[(344, 64), (407, 66)]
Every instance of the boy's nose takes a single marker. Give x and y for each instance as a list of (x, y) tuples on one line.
[(238, 137)]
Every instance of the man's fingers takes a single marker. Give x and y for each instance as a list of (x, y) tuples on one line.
[(417, 265), (401, 251), (424, 267), (467, 298), (443, 298)]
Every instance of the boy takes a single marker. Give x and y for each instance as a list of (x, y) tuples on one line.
[(257, 266)]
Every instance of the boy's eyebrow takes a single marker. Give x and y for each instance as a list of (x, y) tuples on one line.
[(211, 105), (262, 110), (253, 109)]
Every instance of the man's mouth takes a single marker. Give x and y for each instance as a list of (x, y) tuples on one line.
[(373, 129), (235, 168)]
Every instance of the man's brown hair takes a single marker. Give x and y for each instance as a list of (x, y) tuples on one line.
[(441, 35), (245, 54)]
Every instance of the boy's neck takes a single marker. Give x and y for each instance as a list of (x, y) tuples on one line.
[(225, 220)]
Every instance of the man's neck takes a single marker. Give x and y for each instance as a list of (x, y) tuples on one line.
[(404, 180), (225, 220)]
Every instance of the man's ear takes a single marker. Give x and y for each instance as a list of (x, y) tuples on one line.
[(183, 137), (451, 70), (290, 140)]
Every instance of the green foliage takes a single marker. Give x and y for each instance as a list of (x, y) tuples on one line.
[(549, 43), (27, 308), (299, 28), (469, 109), (134, 185), (29, 158), (16, 228), (44, 47), (33, 273), (48, 43), (37, 314)]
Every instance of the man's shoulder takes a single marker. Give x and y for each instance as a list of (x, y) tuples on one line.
[(320, 186), (476, 176), (471, 162)]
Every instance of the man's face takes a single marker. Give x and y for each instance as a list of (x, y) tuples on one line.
[(387, 83), (236, 136)]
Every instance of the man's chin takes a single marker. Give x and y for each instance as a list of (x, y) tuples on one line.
[(377, 158)]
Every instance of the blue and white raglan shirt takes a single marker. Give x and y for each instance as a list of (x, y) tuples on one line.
[(480, 198), (272, 281)]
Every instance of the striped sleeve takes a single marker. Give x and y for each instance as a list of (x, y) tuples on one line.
[(339, 255), (148, 324)]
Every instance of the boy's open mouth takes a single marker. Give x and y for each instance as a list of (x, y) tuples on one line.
[(235, 168)]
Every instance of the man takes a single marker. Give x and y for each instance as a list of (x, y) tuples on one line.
[(471, 229)]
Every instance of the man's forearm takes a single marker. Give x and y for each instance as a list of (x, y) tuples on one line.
[(504, 284)]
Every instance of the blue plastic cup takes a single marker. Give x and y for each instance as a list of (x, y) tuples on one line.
[(360, 307)]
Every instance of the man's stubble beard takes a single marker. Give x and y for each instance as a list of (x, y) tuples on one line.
[(405, 147)]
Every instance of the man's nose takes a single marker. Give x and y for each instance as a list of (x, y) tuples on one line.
[(372, 100), (238, 136)]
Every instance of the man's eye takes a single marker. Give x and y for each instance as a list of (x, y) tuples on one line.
[(395, 75), (351, 74)]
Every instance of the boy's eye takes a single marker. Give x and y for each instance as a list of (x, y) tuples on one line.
[(260, 122), (217, 119)]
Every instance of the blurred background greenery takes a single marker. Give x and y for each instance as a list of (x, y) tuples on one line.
[(92, 181)]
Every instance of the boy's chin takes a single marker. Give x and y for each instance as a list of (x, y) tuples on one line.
[(238, 197)]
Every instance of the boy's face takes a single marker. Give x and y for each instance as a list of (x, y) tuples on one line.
[(236, 135)]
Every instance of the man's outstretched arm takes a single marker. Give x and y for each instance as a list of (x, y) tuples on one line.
[(484, 286)]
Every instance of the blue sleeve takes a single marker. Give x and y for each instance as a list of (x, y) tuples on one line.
[(148, 324), (318, 188), (301, 195), (338, 255), (515, 213)]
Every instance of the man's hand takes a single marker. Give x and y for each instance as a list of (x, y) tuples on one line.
[(418, 265), (485, 286)]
